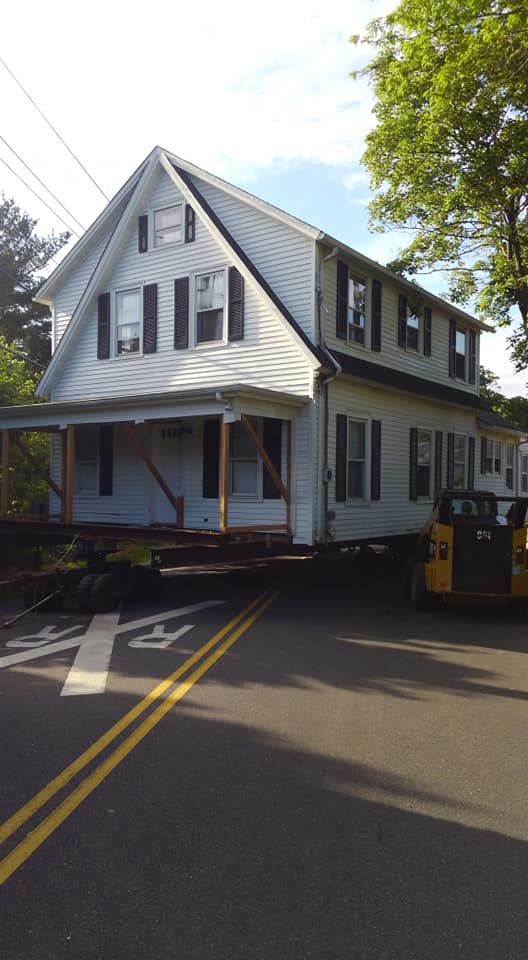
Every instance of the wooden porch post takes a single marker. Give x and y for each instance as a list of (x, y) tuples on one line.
[(288, 473), (68, 467), (224, 474), (4, 490)]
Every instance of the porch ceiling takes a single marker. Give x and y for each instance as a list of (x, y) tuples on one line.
[(231, 401)]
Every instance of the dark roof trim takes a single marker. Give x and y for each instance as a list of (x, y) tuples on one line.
[(493, 421), (387, 377), (322, 355)]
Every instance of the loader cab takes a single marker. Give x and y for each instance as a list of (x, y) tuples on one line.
[(474, 544)]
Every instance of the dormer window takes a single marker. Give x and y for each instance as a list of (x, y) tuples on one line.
[(357, 291), (168, 225)]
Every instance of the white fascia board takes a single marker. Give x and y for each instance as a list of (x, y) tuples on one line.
[(268, 208), (135, 203), (403, 282), (43, 294), (233, 256)]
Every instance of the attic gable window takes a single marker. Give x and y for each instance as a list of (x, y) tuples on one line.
[(168, 225), (357, 292)]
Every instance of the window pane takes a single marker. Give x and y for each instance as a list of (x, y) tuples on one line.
[(460, 448), (357, 295), (461, 342), (244, 477), (86, 477), (355, 479), (509, 454), (459, 475), (356, 440), (524, 483), (423, 484), (498, 456), (209, 325), (240, 444), (460, 366), (210, 291), (413, 320), (424, 448), (168, 225), (127, 304), (86, 443), (525, 464)]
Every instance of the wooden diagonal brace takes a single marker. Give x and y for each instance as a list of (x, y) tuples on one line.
[(176, 502), (43, 474), (255, 439)]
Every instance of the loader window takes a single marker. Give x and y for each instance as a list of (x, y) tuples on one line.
[(467, 507)]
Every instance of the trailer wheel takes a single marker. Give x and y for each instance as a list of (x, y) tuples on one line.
[(104, 594), (84, 593), (419, 595)]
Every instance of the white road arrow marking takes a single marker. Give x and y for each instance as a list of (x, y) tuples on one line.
[(34, 639), (149, 641)]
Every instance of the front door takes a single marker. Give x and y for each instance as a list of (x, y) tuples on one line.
[(167, 454)]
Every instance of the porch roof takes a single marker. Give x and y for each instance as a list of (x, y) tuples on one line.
[(230, 401)]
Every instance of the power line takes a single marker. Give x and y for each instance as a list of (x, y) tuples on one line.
[(33, 174), (37, 195), (18, 353), (55, 131)]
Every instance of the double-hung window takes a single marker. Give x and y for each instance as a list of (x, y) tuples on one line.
[(413, 327), (488, 463), (168, 225), (357, 295), (459, 461), (86, 459), (356, 459), (243, 463), (423, 478), (460, 354), (128, 321), (524, 474), (497, 457), (509, 465), (210, 306)]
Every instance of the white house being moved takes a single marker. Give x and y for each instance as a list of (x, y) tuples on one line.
[(219, 365)]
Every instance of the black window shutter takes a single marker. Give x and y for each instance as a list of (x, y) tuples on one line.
[(375, 342), (235, 313), (452, 348), (211, 458), (342, 300), (190, 224), (471, 463), (413, 463), (439, 442), (472, 356), (428, 323), (341, 454), (375, 460), (402, 320), (103, 326), (143, 234), (106, 460), (272, 443), (450, 460), (150, 317), (181, 313), (483, 452)]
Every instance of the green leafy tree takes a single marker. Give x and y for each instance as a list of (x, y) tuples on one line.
[(448, 155), (514, 409), (23, 257)]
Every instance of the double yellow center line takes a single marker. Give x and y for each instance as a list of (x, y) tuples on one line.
[(33, 840)]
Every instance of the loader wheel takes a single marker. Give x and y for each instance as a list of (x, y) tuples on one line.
[(420, 596), (104, 594), (84, 593)]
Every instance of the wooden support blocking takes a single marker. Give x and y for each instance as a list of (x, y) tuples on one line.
[(176, 502), (4, 488), (224, 475), (255, 439), (68, 473)]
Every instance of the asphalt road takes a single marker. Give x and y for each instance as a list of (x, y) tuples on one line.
[(347, 780)]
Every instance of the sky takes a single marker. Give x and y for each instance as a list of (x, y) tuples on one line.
[(260, 95)]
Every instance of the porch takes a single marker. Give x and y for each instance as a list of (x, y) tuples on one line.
[(198, 466)]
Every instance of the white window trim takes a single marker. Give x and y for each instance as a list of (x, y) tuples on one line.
[(208, 344), (113, 322), (365, 499), (424, 498), (152, 226), (352, 275)]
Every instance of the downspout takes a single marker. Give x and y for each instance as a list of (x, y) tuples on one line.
[(324, 388)]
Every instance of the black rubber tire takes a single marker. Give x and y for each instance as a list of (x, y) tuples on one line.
[(105, 594), (83, 593)]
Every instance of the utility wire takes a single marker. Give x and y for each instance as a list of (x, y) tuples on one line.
[(37, 195), (33, 174), (55, 131)]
